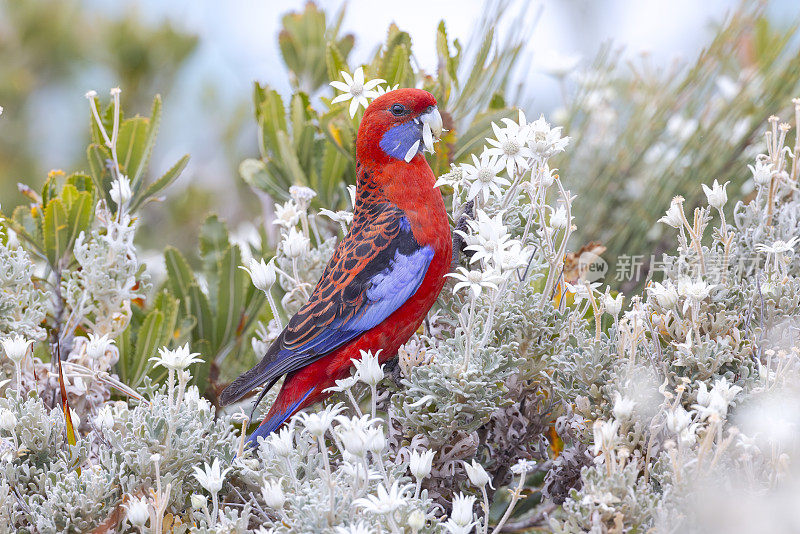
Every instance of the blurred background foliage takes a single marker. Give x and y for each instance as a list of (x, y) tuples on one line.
[(643, 132)]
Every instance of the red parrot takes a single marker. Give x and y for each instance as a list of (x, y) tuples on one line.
[(384, 275)]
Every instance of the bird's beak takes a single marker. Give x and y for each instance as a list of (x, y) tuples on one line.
[(431, 127)]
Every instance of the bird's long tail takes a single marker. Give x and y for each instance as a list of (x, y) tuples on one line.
[(275, 418)]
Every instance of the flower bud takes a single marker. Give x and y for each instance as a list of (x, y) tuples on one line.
[(421, 463), (477, 474)]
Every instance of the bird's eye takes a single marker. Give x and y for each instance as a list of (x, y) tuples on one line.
[(398, 110)]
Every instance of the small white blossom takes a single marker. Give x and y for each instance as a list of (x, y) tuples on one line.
[(462, 509), (198, 501), (544, 140), (282, 441), (678, 419), (342, 216), (287, 214), (482, 176), (138, 512), (716, 194), (613, 305), (104, 418), (176, 360), (477, 474), (716, 401), (368, 368), (762, 172), (121, 190), (623, 407), (317, 423), (511, 145), (416, 520), (295, 244), (386, 501), (97, 346), (475, 280), (490, 241), (605, 434), (697, 290), (356, 89), (261, 273), (523, 466), (420, 463), (273, 494), (674, 216), (778, 247), (211, 477), (8, 421), (558, 219), (666, 295), (580, 291), (16, 348), (303, 196)]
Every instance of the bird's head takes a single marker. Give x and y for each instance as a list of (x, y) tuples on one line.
[(397, 126)]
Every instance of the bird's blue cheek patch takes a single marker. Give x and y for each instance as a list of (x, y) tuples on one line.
[(397, 141)]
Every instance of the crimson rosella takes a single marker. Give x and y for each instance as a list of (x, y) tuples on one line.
[(384, 275)]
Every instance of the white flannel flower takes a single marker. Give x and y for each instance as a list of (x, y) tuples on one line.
[(477, 474), (376, 440), (1, 111), (605, 434), (416, 520), (778, 247), (462, 509), (8, 421), (454, 528), (716, 194), (303, 196), (282, 441), (490, 241), (273, 494), (716, 401), (386, 501), (523, 466), (693, 291), (198, 501), (580, 291), (483, 177), (666, 295), (342, 216), (475, 280), (356, 90), (287, 214), (96, 346), (544, 140), (16, 348), (138, 512), (613, 305), (421, 463), (623, 407), (121, 190), (678, 419), (318, 423), (295, 244), (762, 172), (674, 216), (511, 145), (105, 418), (176, 360), (261, 273), (354, 435), (211, 477), (368, 368), (558, 219)]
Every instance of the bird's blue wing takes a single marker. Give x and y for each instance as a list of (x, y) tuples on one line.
[(374, 270)]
